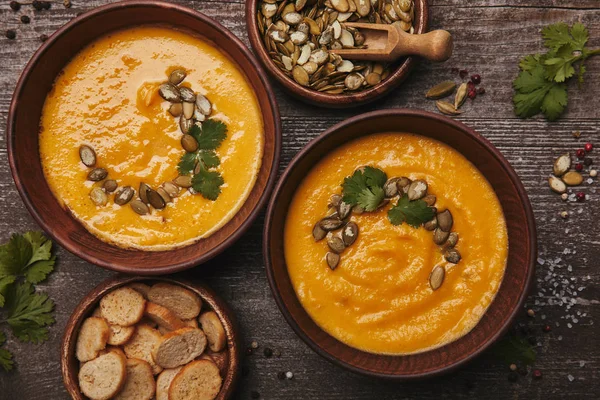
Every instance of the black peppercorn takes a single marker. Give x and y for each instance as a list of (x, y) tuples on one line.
[(11, 34), (254, 394), (37, 5), (588, 161), (25, 19), (43, 37), (268, 352), (15, 5)]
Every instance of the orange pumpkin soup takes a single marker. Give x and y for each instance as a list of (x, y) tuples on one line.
[(379, 297), (108, 98)]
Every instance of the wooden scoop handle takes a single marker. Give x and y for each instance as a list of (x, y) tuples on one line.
[(434, 45)]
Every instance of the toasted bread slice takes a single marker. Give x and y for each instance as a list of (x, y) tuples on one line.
[(164, 317), (142, 344), (184, 303), (213, 328), (108, 349), (199, 380), (97, 313), (164, 382), (140, 287), (119, 335), (221, 360), (93, 336), (123, 306), (102, 378), (192, 323), (180, 347), (139, 384)]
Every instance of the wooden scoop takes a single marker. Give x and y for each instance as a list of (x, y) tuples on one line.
[(390, 42)]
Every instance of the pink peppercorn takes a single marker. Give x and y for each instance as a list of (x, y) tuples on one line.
[(537, 374), (472, 94), (579, 167), (580, 153), (476, 79), (481, 90), (589, 147), (580, 196)]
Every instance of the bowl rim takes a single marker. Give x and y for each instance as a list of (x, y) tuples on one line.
[(520, 189), (75, 249), (208, 296), (399, 74)]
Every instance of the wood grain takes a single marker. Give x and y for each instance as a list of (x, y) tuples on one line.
[(490, 37)]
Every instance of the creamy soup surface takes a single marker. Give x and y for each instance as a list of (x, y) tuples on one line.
[(379, 299), (107, 98)]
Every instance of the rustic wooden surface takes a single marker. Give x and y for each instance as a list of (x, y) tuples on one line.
[(490, 36)]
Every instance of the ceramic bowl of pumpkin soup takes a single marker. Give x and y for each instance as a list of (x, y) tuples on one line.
[(146, 147), (399, 244)]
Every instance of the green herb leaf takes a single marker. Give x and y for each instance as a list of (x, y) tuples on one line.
[(560, 67), (414, 213), (15, 255), (555, 102), (556, 35), (187, 163), (29, 313), (40, 270), (211, 136), (5, 282), (5, 355), (365, 188), (208, 183), (530, 62), (209, 158), (514, 349), (580, 35)]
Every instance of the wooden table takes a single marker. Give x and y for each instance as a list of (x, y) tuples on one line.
[(490, 36)]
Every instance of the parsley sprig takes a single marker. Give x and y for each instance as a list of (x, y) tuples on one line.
[(25, 260), (541, 84), (209, 137), (414, 212)]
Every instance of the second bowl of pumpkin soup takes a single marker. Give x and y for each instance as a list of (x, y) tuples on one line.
[(388, 240)]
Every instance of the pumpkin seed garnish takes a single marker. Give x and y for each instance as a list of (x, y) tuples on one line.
[(430, 200), (344, 209), (445, 220), (187, 94), (440, 237), (431, 225), (185, 124), (169, 92), (124, 195), (155, 199), (110, 185), (171, 189), (331, 224), (163, 193), (143, 192), (203, 104), (391, 187), (417, 190), (177, 76), (452, 256), (139, 207), (188, 109), (436, 278), (184, 181), (318, 232), (176, 109), (441, 90), (97, 174), (452, 239), (336, 244), (349, 233), (189, 143), (334, 201), (403, 184), (98, 196), (332, 259), (87, 155)]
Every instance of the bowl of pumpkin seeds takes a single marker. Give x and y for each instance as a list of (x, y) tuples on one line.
[(296, 42)]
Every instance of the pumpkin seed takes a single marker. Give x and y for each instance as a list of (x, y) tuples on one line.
[(373, 79), (124, 195), (363, 7), (403, 184), (359, 39), (110, 185), (97, 174), (185, 124), (417, 190), (299, 5), (572, 178), (430, 200), (436, 278), (346, 39), (171, 189), (299, 38), (461, 95), (203, 104), (391, 187), (292, 18), (333, 260), (177, 76), (318, 232), (441, 90), (139, 207), (340, 5), (335, 201), (189, 143), (176, 109), (156, 199), (345, 66), (344, 209), (188, 110), (561, 165), (349, 233), (169, 92), (354, 81), (452, 256), (163, 193), (440, 237), (199, 117), (268, 10), (187, 94), (184, 181), (452, 239), (336, 244), (331, 224), (300, 75), (445, 220), (143, 192), (557, 185), (431, 225), (447, 108), (98, 196), (87, 155), (358, 210)]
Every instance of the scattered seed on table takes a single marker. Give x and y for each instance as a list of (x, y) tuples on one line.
[(589, 147), (11, 34), (593, 173), (25, 19), (580, 154), (588, 161), (537, 374), (547, 328), (564, 196), (513, 367), (579, 167), (254, 345), (580, 196), (43, 37), (289, 375), (15, 5), (530, 313), (67, 3), (564, 214), (576, 134), (277, 353)]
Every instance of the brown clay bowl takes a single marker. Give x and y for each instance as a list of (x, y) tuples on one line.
[(400, 69), (210, 301), (23, 127), (521, 257)]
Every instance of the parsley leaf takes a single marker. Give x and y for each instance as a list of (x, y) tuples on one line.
[(211, 136), (414, 213), (5, 282), (555, 102), (365, 188), (15, 255), (512, 349), (556, 35), (187, 163), (208, 183), (5, 356), (209, 158), (24, 253), (29, 313)]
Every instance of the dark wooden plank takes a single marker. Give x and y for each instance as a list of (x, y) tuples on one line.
[(491, 35)]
